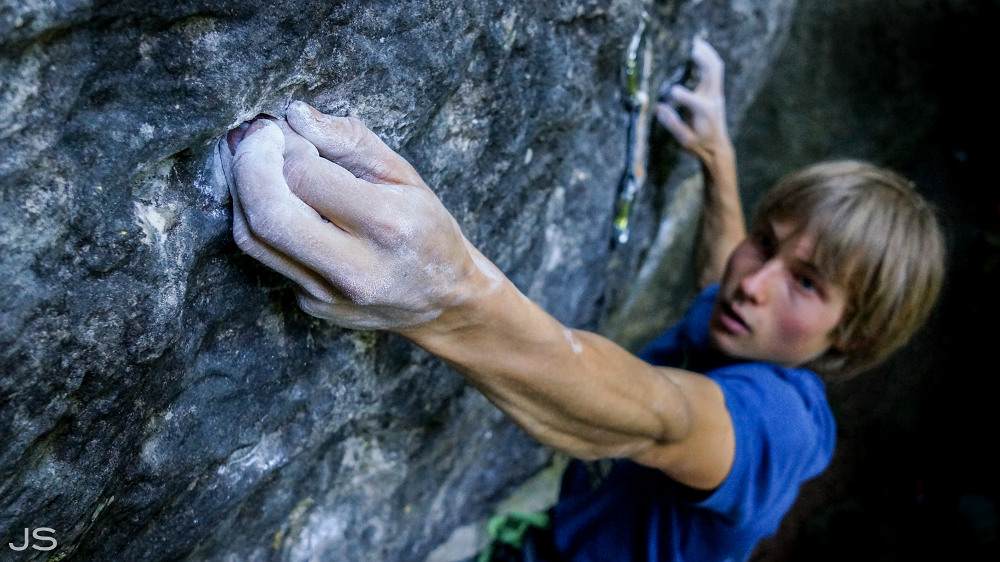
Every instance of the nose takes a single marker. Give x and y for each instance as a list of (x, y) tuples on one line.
[(756, 283)]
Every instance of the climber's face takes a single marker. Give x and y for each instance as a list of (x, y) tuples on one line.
[(773, 303)]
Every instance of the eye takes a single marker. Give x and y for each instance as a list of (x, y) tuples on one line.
[(811, 283)]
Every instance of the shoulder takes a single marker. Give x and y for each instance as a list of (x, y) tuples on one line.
[(784, 431), (775, 407), (756, 383)]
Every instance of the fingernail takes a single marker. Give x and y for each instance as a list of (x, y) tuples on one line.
[(255, 126), (234, 137), (306, 111), (239, 134)]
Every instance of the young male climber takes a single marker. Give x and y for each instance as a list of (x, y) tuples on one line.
[(717, 423)]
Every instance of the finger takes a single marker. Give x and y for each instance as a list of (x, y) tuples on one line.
[(257, 166), (236, 135), (710, 66), (340, 311), (352, 204), (681, 96), (276, 218), (256, 248), (670, 119), (348, 202), (294, 142), (348, 143), (253, 246)]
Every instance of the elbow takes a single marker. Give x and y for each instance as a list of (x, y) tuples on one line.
[(674, 422)]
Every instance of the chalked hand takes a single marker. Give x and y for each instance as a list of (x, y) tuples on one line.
[(323, 201), (705, 105)]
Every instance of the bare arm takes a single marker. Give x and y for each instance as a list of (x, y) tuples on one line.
[(706, 136), (581, 393), (391, 257)]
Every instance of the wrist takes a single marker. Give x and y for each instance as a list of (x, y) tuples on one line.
[(466, 305), (718, 158)]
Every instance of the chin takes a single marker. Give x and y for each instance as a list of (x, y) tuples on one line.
[(721, 342)]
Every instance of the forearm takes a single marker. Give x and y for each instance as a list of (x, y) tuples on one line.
[(722, 225), (575, 391), (367, 243)]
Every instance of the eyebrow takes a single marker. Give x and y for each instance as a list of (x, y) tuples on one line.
[(806, 264), (813, 269)]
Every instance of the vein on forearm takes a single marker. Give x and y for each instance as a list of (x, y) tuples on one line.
[(589, 397)]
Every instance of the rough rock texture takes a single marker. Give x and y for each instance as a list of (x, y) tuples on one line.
[(161, 397)]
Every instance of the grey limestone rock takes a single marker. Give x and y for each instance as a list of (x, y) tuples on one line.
[(162, 397)]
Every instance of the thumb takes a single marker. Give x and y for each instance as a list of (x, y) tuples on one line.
[(672, 121)]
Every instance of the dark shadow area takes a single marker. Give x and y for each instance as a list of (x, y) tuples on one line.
[(914, 477)]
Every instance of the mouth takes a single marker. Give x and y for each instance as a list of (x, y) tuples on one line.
[(731, 320)]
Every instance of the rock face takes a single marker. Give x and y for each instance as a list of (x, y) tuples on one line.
[(161, 396)]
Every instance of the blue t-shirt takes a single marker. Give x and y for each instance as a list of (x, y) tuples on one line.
[(785, 435)]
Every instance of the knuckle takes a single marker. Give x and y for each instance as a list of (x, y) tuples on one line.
[(261, 224), (400, 218), (241, 235), (376, 170), (359, 289), (346, 135), (365, 141), (392, 232), (309, 304), (296, 169), (357, 130)]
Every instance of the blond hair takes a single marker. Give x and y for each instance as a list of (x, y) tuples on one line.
[(876, 237)]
